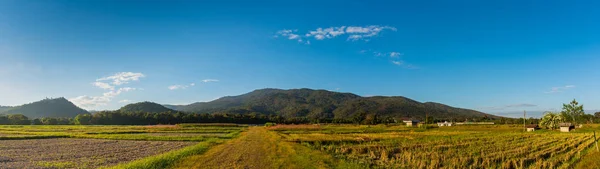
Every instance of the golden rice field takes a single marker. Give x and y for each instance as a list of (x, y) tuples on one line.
[(295, 146), (450, 147)]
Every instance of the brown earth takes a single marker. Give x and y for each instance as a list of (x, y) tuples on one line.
[(78, 153)]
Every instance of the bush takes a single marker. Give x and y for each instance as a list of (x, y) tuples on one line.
[(269, 124)]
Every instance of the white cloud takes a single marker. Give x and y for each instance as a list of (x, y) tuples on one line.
[(117, 80), (560, 89), (89, 101), (353, 33), (176, 87), (125, 101), (397, 62), (395, 54), (103, 85), (122, 78), (210, 80)]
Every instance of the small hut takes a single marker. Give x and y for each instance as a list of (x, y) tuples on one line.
[(566, 127), (411, 123), (445, 123), (531, 127)]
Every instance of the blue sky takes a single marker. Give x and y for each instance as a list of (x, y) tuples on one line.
[(494, 56)]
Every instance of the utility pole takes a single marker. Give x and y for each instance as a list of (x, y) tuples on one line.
[(524, 117)]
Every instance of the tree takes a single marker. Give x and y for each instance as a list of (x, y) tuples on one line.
[(597, 115), (49, 121), (573, 111), (18, 119), (36, 122), (551, 120), (83, 119)]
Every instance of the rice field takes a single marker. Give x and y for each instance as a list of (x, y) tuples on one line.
[(496, 146), (294, 146), (69, 146)]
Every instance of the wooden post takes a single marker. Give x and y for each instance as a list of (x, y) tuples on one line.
[(596, 141), (524, 117)]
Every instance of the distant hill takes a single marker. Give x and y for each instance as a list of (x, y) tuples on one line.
[(149, 107), (327, 104), (3, 108), (58, 107)]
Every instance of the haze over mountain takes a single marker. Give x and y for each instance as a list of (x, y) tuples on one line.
[(58, 107), (326, 104)]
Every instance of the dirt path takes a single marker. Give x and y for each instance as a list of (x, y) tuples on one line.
[(261, 149)]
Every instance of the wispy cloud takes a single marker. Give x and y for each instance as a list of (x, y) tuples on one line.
[(122, 78), (352, 33), (210, 80), (395, 58), (291, 35), (116, 80), (560, 89), (395, 54), (103, 85), (176, 87)]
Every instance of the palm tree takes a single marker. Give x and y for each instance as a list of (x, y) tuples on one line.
[(551, 120)]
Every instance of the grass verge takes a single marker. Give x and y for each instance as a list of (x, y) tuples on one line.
[(168, 159)]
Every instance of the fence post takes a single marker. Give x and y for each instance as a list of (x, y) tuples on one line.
[(596, 141)]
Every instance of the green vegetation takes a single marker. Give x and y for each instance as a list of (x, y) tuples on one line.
[(168, 159), (551, 120), (58, 164), (306, 105), (146, 107), (165, 133)]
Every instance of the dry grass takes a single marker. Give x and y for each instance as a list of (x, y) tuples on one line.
[(499, 146), (260, 149)]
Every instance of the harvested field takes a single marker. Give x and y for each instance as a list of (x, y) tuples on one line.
[(187, 134), (78, 153)]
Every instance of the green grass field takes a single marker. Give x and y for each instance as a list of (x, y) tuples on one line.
[(327, 146)]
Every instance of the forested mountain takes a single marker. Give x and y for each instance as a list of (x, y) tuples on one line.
[(322, 104), (146, 107), (58, 107)]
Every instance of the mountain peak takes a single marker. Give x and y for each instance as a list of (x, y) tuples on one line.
[(48, 107), (145, 106)]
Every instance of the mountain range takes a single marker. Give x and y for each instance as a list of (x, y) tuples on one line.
[(326, 104), (292, 103)]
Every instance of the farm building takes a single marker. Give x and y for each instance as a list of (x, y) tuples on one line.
[(411, 123), (446, 123), (475, 123), (531, 127), (566, 127)]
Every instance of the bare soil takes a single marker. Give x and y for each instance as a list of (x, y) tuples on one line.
[(82, 153)]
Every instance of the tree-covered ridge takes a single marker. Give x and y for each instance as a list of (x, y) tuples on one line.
[(56, 107), (327, 105), (146, 107)]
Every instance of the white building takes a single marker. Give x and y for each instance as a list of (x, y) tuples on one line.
[(446, 123)]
